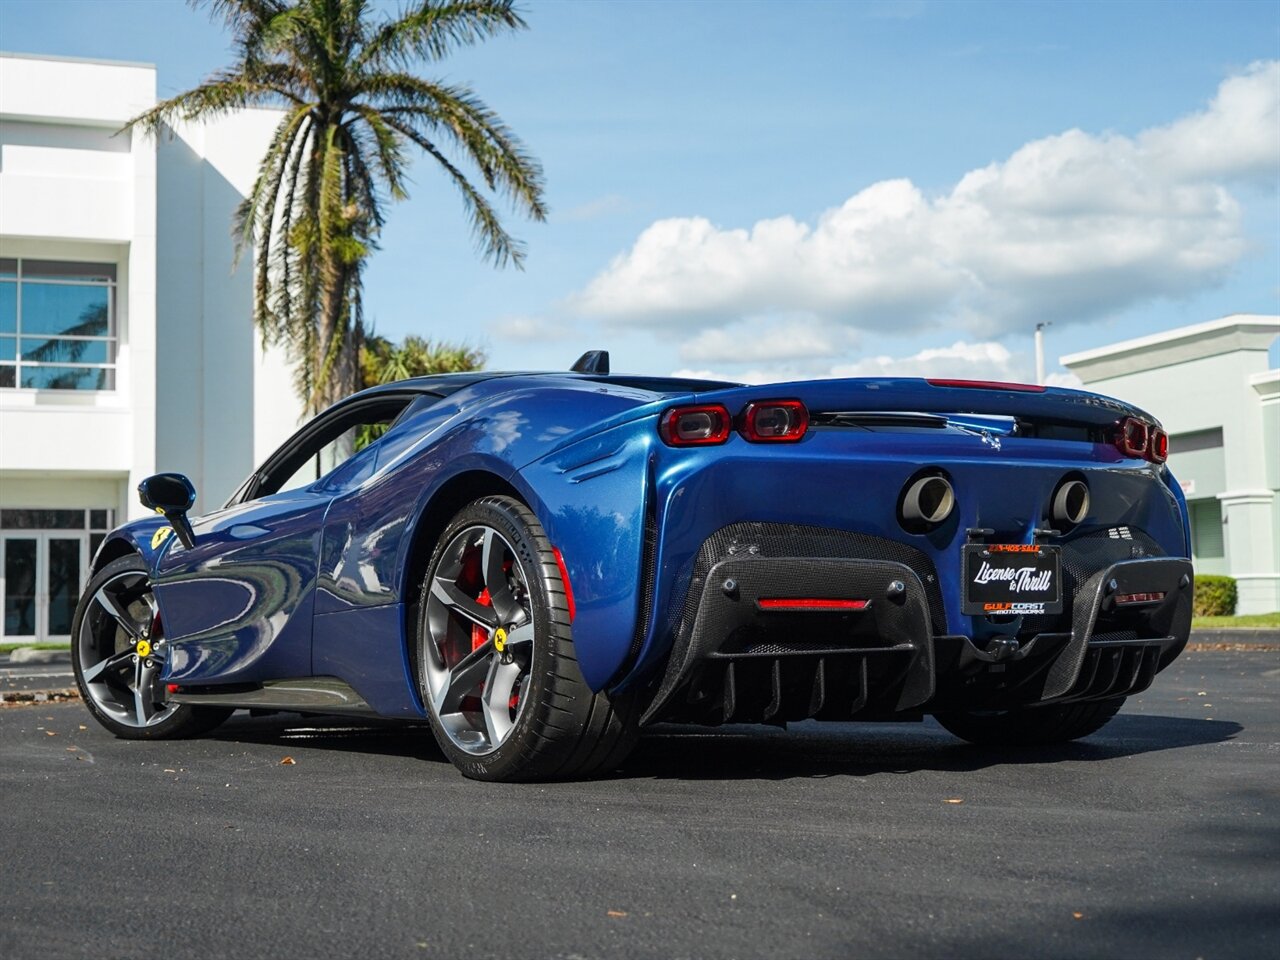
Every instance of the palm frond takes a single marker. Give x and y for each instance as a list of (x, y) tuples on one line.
[(491, 238), (431, 29)]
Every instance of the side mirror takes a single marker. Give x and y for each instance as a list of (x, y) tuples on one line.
[(173, 495)]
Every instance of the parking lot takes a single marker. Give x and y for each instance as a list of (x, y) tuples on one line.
[(1158, 836)]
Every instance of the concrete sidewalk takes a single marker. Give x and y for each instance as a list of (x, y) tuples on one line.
[(29, 655)]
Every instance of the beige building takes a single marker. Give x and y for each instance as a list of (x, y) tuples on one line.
[(1213, 388)]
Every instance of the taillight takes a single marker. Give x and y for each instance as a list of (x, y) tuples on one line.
[(1132, 437), (774, 421), (698, 426), (1132, 599), (1137, 438), (987, 385), (1158, 446)]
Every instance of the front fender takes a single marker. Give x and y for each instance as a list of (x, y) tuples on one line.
[(149, 537)]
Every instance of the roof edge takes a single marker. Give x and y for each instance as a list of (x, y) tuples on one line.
[(58, 58), (1248, 322)]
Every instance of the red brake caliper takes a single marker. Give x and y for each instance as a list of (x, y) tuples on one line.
[(478, 633)]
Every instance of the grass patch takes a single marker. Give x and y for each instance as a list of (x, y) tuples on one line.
[(1255, 620), (10, 647)]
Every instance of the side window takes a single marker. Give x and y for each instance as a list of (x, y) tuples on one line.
[(330, 443), (325, 460)]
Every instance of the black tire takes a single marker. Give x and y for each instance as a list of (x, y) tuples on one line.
[(559, 728), (115, 612), (1032, 726)]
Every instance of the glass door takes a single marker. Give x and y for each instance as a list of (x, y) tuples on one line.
[(64, 576), (42, 576), (21, 574)]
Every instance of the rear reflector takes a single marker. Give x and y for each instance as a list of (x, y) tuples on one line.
[(988, 385), (810, 603), (774, 421), (1123, 599), (564, 578), (699, 426)]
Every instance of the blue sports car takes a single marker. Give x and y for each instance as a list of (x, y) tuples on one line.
[(541, 564)]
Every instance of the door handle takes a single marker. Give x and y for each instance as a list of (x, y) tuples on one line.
[(247, 531)]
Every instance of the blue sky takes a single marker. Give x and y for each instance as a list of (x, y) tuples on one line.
[(775, 190)]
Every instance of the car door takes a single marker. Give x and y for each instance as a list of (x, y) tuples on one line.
[(237, 606)]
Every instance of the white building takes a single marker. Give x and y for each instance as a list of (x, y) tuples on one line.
[(1211, 387), (126, 340)]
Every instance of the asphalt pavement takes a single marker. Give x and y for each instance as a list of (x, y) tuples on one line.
[(1158, 836)]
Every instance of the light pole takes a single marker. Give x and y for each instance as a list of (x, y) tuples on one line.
[(1040, 350)]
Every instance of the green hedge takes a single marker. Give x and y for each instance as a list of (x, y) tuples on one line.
[(1215, 596)]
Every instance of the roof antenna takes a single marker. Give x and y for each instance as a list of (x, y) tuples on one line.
[(593, 361)]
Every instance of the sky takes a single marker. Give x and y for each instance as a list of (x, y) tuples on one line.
[(766, 191)]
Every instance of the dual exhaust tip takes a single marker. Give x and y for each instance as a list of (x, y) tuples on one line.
[(928, 500)]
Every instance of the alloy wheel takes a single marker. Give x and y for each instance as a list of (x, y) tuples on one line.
[(122, 652), (478, 645)]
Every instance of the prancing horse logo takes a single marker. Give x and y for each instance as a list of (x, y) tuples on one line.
[(991, 440)]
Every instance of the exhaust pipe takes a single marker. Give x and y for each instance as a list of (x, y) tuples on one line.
[(928, 500), (1071, 502)]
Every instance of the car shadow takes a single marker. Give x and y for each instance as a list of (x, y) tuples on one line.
[(816, 750), (802, 750), (344, 734)]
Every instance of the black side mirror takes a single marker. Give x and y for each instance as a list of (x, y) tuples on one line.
[(173, 495)]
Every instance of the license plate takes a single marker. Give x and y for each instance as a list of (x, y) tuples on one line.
[(1015, 578)]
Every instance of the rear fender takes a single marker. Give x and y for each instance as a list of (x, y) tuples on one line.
[(594, 499)]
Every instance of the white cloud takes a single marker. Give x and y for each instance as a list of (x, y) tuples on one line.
[(1238, 135), (525, 329), (1069, 228), (1064, 380), (595, 209), (984, 360), (767, 339)]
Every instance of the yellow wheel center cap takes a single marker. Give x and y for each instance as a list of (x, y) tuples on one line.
[(143, 648), (499, 639)]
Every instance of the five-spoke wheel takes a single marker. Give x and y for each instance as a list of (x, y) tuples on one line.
[(479, 639), (119, 651), (498, 671)]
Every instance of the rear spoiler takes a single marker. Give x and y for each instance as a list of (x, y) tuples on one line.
[(1041, 405)]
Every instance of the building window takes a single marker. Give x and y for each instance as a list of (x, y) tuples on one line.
[(44, 557), (57, 325)]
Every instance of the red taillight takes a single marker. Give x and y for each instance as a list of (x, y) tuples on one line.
[(987, 385), (1128, 599), (774, 421), (1132, 437), (698, 426), (1158, 446), (564, 578), (810, 603)]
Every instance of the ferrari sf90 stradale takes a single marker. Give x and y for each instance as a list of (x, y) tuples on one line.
[(541, 564)]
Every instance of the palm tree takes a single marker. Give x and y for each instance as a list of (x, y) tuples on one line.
[(353, 108)]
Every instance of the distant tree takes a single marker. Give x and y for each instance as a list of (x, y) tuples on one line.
[(353, 108), (382, 361)]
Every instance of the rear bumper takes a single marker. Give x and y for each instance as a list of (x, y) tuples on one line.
[(738, 658)]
